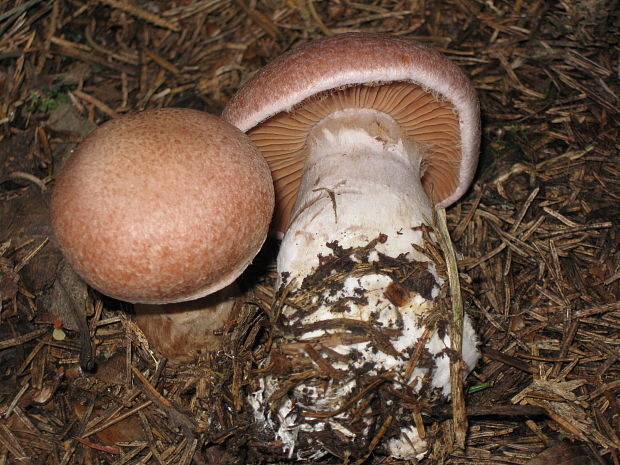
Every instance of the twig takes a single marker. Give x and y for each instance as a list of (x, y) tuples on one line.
[(15, 341)]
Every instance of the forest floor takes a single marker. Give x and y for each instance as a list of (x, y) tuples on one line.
[(538, 231)]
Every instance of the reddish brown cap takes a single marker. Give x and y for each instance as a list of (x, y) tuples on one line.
[(162, 206), (421, 89)]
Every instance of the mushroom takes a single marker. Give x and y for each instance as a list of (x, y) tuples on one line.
[(164, 206), (363, 134)]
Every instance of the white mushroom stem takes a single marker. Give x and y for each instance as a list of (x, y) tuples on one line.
[(362, 180)]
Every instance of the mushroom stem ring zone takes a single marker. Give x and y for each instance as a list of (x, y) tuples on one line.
[(363, 133)]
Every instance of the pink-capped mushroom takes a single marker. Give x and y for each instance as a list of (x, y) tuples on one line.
[(364, 134), (163, 206)]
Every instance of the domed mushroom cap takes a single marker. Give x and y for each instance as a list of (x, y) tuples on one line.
[(162, 206), (428, 95)]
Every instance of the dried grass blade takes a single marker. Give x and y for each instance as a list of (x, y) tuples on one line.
[(456, 331)]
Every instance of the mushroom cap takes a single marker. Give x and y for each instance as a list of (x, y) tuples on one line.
[(162, 206), (421, 89)]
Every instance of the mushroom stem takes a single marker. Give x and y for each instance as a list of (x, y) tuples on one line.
[(371, 320), (179, 330), (362, 179)]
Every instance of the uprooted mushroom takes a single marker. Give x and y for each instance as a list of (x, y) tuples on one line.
[(363, 133)]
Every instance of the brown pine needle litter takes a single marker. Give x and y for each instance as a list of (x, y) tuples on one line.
[(536, 240)]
